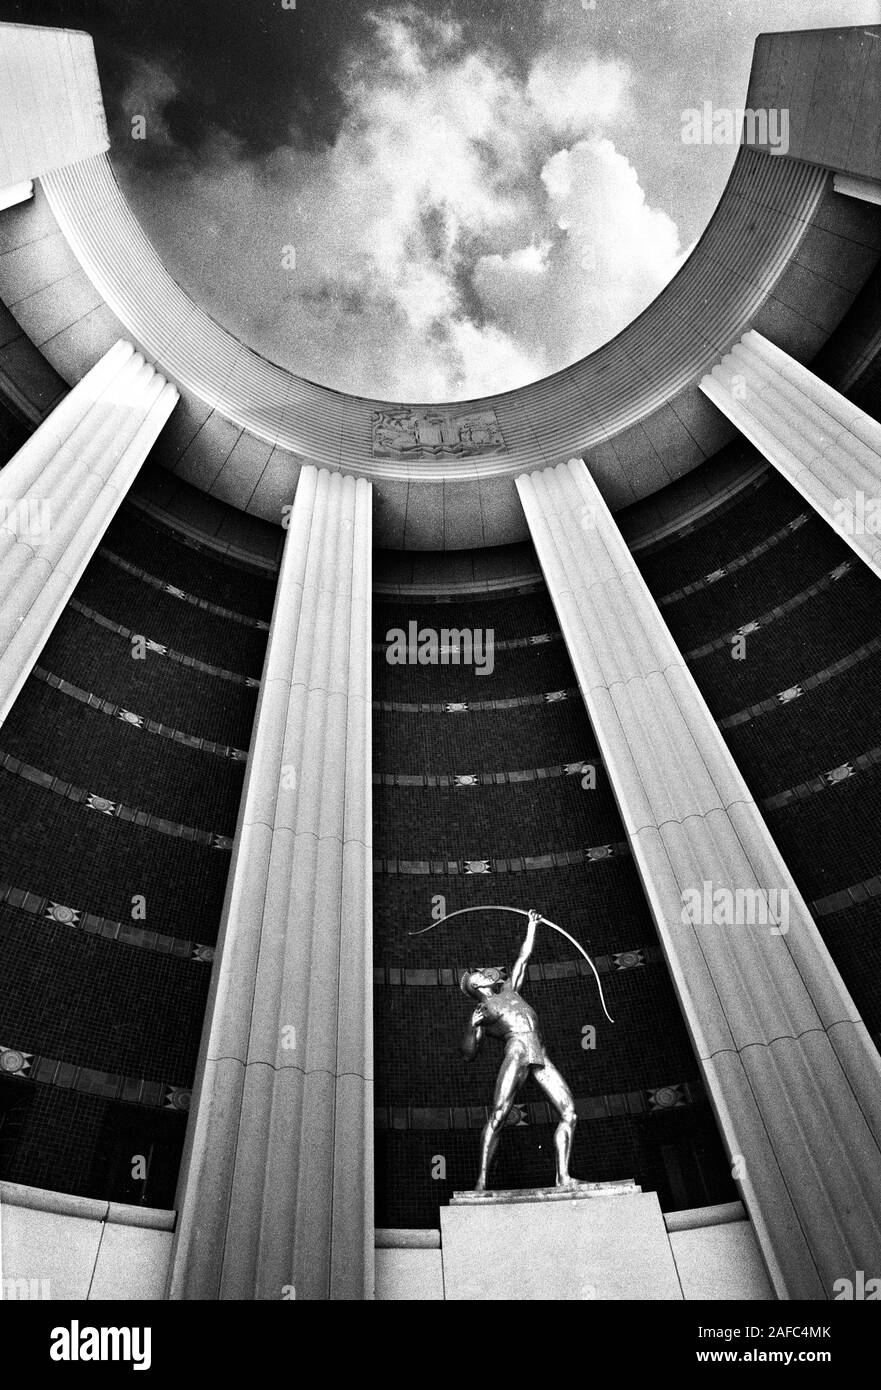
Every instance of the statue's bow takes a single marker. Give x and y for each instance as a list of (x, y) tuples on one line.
[(523, 913)]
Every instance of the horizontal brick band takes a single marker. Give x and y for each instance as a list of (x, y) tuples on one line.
[(406, 976), (795, 692), (824, 780), (550, 697), (773, 613), (563, 859), (738, 563), (541, 639), (113, 809), (94, 925), (164, 587), (848, 897), (159, 649), (90, 1081), (138, 721), (676, 1096), (485, 779), (468, 593)]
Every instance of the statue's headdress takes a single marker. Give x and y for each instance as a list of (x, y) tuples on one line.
[(493, 972)]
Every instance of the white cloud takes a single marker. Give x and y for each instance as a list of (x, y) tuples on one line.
[(571, 93), (444, 242), (610, 257)]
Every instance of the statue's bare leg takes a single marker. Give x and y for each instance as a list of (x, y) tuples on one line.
[(512, 1074), (558, 1093)]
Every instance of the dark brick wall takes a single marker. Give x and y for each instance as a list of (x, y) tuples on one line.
[(51, 730), (168, 620), (56, 847), (509, 618), (88, 1145), (478, 740), (828, 834), (830, 840), (825, 628), (430, 1102), (803, 728), (135, 1011), (476, 822), (188, 699), (108, 1002), (97, 1003), (13, 432), (717, 540), (515, 671), (142, 542), (796, 562)]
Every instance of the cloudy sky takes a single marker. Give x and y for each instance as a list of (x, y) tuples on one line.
[(423, 200)]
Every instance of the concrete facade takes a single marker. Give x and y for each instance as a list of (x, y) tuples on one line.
[(276, 1192), (57, 1247), (99, 1250)]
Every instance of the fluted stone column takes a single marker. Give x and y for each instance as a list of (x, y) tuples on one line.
[(59, 493), (16, 193), (51, 112), (828, 448), (867, 190), (276, 1196), (793, 1075)]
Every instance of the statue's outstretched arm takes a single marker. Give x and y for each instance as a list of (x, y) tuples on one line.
[(518, 974)]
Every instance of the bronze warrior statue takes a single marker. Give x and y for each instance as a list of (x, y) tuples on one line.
[(503, 1013)]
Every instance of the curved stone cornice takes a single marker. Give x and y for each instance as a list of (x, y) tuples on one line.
[(633, 406), (782, 254), (762, 217)]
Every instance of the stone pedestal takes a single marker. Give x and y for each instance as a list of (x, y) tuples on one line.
[(471, 1198), (601, 1241)]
